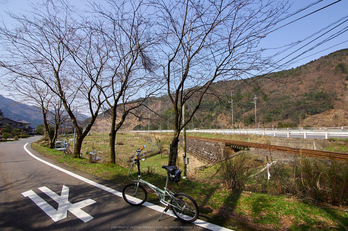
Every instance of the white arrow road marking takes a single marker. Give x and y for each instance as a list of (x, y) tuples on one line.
[(47, 208), (63, 204)]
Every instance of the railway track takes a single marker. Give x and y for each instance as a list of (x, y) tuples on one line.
[(298, 151)]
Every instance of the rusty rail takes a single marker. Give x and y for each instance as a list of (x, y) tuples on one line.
[(298, 151)]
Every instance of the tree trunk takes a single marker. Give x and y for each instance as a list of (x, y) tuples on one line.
[(51, 141), (47, 128), (78, 145), (173, 154), (112, 142), (112, 134), (173, 151), (55, 135), (114, 129)]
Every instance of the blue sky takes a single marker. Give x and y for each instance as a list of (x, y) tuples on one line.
[(289, 34)]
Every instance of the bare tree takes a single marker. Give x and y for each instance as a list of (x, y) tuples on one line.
[(51, 106), (47, 47), (127, 30), (57, 116), (89, 54), (207, 41), (32, 56)]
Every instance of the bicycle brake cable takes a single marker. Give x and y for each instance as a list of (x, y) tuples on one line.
[(129, 170)]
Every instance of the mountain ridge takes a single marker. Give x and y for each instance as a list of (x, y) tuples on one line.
[(311, 95), (19, 111)]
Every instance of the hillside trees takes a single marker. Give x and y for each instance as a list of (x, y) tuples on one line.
[(207, 41)]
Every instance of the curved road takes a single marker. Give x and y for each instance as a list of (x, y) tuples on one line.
[(37, 193)]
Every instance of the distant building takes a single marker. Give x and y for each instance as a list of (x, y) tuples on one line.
[(21, 124)]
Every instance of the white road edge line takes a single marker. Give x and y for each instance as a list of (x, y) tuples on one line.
[(198, 222)]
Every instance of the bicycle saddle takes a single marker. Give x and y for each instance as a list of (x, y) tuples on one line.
[(169, 169)]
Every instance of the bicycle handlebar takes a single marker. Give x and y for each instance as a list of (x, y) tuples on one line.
[(136, 158), (139, 150), (136, 161)]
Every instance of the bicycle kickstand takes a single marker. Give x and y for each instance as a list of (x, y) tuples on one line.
[(164, 211)]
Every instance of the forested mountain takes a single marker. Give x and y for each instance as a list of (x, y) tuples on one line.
[(312, 95), (18, 111)]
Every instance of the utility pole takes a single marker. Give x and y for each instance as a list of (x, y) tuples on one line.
[(75, 131), (232, 108), (103, 121), (254, 102), (148, 127), (184, 142)]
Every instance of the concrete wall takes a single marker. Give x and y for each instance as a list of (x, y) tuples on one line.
[(316, 144)]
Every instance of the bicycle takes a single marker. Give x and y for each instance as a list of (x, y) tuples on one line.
[(183, 206)]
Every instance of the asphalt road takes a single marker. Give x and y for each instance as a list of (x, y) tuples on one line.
[(37, 193)]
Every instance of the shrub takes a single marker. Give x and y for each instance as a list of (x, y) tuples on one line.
[(323, 181), (6, 135), (310, 180), (235, 172), (280, 182), (341, 69), (318, 180)]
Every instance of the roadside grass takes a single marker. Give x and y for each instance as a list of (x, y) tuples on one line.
[(244, 138), (337, 145), (282, 212), (107, 171), (240, 211), (337, 148)]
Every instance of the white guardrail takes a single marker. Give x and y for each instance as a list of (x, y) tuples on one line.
[(285, 133)]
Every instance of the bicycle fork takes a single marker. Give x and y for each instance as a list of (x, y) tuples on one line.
[(136, 189)]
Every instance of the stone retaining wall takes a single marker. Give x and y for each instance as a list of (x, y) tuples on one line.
[(207, 151)]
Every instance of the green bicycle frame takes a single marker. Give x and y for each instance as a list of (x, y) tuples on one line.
[(160, 193)]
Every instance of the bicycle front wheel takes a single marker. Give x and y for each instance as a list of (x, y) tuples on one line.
[(185, 207), (134, 194)]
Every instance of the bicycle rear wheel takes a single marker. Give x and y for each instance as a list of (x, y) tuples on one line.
[(185, 207), (134, 194)]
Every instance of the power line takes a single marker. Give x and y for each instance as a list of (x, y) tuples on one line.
[(324, 50), (313, 41), (331, 27), (320, 43), (310, 5), (323, 29), (295, 44), (344, 30), (299, 11)]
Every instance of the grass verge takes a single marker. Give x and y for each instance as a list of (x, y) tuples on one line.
[(239, 211)]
